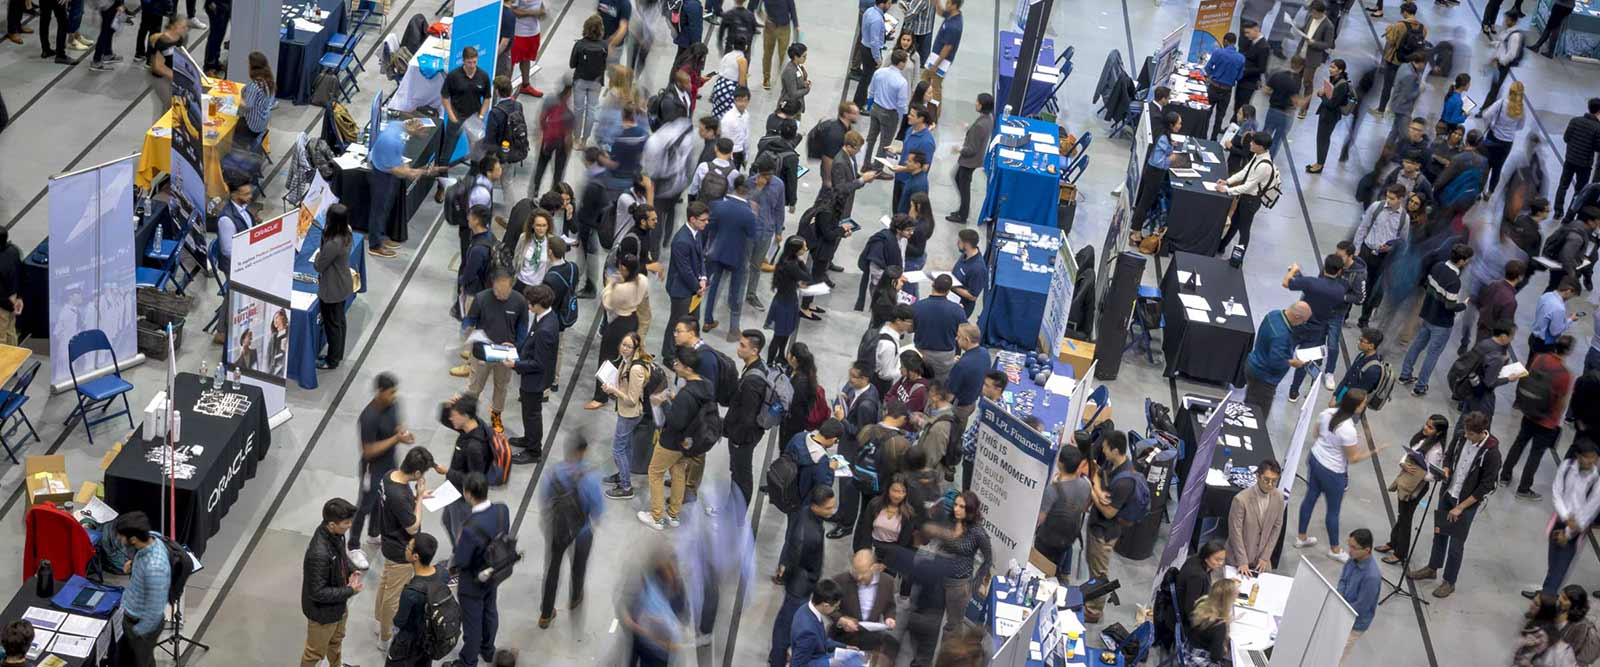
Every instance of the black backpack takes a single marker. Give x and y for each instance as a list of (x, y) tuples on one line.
[(178, 563), (654, 107), (567, 311), (1415, 39), (814, 146), (458, 200), (500, 556), (442, 627), (606, 226), (1534, 393), (516, 132), (727, 380), (566, 510), (867, 349), (715, 184), (1556, 241), (1061, 527), (1463, 375), (707, 429), (782, 481), (656, 381)]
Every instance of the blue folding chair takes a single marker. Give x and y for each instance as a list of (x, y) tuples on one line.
[(158, 278), (1077, 160), (213, 255), (1101, 396), (343, 65), (11, 415), (168, 253), (1145, 304), (100, 392)]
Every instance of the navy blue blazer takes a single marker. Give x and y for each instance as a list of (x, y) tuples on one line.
[(536, 358), (476, 533), (809, 645), (733, 224), (687, 266)]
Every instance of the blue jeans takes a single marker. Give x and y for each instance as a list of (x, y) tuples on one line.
[(480, 619), (717, 271), (1323, 482), (1558, 562), (74, 16), (1276, 125), (1434, 339), (622, 448), (1331, 359)]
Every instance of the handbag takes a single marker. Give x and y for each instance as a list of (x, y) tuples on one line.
[(1151, 245), (1410, 483)]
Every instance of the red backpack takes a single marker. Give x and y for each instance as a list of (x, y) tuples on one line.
[(500, 458), (819, 411)]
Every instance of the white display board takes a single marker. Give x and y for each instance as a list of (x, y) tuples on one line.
[(1316, 623), (259, 309), (1013, 465), (92, 260)]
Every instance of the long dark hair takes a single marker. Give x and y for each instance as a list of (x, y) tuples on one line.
[(886, 287), (261, 72), (804, 363), (1441, 431), (336, 222), (924, 208), (791, 249), (1577, 602), (1349, 404)]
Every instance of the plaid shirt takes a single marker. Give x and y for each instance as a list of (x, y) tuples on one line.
[(919, 17)]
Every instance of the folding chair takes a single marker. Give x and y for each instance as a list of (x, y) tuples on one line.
[(1077, 159), (100, 392), (1101, 396), (1146, 319), (11, 414), (339, 65), (157, 277), (165, 252), (212, 255)]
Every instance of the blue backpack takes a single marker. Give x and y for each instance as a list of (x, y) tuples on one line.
[(567, 311), (1139, 505), (1469, 183)]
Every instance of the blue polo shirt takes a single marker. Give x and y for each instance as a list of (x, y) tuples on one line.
[(966, 377), (922, 141), (973, 273), (612, 13), (949, 34), (1225, 66), (389, 149), (936, 319)]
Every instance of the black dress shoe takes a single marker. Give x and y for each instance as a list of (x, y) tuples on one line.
[(835, 267), (810, 317), (525, 457), (839, 532), (818, 310)]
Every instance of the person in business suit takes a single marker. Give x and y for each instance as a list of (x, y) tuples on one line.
[(234, 217), (686, 272), (480, 606), (844, 178), (802, 569), (536, 363), (857, 407), (733, 227), (867, 583), (810, 645)]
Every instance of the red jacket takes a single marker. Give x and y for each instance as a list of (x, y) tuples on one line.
[(1560, 384), (53, 535)]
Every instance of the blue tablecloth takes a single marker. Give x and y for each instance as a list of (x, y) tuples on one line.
[(1027, 189), (1023, 391), (299, 57), (1001, 589), (305, 325), (1039, 92), (1015, 300)]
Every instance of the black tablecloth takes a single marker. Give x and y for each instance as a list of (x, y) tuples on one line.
[(232, 448), (300, 57), (27, 596), (1197, 215), (1204, 349), (1196, 122), (351, 186), (1218, 499), (35, 277)]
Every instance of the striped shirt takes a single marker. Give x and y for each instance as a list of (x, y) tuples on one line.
[(257, 103), (919, 17)]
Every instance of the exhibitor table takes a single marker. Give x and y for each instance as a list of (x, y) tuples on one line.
[(1580, 33), (1190, 98), (423, 81), (351, 185), (105, 640), (230, 428), (1003, 594), (1043, 85), (1193, 341), (300, 55), (1025, 178), (1023, 396), (306, 336), (1022, 262), (222, 118), (1197, 215), (1243, 440)]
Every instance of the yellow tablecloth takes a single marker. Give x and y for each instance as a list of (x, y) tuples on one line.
[(156, 158)]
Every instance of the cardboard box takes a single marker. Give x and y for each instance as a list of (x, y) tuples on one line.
[(1079, 355), (110, 456), (47, 479), (88, 491), (1090, 419)]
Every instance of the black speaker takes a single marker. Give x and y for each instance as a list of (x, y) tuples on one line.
[(1115, 311)]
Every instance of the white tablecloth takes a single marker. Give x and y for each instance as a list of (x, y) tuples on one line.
[(416, 91)]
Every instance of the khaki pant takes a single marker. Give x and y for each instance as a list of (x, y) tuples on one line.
[(8, 328), (694, 470), (661, 461), (1349, 643), (935, 85), (773, 37), (481, 372), (324, 640), (1097, 554), (394, 580)]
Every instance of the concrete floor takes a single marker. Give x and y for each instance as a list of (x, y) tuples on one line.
[(245, 602)]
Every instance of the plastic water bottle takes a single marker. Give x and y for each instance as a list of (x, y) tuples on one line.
[(220, 373), (155, 242), (205, 375), (176, 427)]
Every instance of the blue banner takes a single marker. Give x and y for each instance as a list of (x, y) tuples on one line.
[(476, 23), (1195, 488)]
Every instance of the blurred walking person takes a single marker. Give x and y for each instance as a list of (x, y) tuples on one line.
[(572, 506)]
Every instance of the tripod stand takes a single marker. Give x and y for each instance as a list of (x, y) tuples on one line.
[(1405, 563), (173, 644)]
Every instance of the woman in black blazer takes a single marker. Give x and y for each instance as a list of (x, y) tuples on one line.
[(1335, 93)]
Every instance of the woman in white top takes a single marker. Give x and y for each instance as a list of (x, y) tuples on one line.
[(730, 75), (620, 298), (1410, 486), (1502, 121), (1327, 467), (533, 250)]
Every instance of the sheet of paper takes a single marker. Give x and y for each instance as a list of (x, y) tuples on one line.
[(1183, 277), (1308, 354), (915, 277), (83, 626), (1212, 186), (1208, 158), (1060, 385), (1197, 315), (72, 646), (1042, 138), (1012, 154), (442, 496), (1184, 173), (608, 373), (44, 619), (1512, 369), (1216, 477), (307, 25), (1235, 308), (871, 626), (98, 510), (1195, 301), (1012, 130), (1046, 149), (302, 301), (818, 289)]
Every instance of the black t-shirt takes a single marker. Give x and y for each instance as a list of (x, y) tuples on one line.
[(466, 94), (498, 319), (1121, 491), (10, 275), (375, 424), (830, 138), (161, 44), (1284, 84), (398, 513)]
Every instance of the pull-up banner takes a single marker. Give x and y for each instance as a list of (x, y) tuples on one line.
[(92, 268)]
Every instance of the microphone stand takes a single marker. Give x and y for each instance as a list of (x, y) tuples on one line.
[(1405, 563)]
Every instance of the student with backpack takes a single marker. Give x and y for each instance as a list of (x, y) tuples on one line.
[(144, 599), (472, 455), (1120, 498), (713, 180), (638, 379), (1250, 188), (480, 561), (1473, 460), (572, 506), (809, 408), (1065, 503), (1542, 400), (1336, 447), (429, 618), (875, 456), (1401, 40), (1459, 185), (742, 426), (692, 406), (588, 64), (1443, 298), (505, 128)]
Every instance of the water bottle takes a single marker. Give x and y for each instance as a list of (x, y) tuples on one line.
[(155, 242), (176, 427), (205, 374), (217, 381), (45, 580)]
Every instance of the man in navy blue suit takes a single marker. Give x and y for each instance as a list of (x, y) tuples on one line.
[(480, 613), (686, 272), (536, 363), (809, 645), (802, 569), (733, 227)]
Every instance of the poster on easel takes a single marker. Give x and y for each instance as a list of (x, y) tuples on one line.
[(1058, 300), (318, 198), (92, 268), (1211, 21), (259, 309), (188, 139), (1012, 466)]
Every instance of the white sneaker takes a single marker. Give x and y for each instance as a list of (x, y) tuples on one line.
[(197, 24), (673, 521), (1301, 544), (649, 520), (1328, 382), (1341, 556), (359, 559)]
